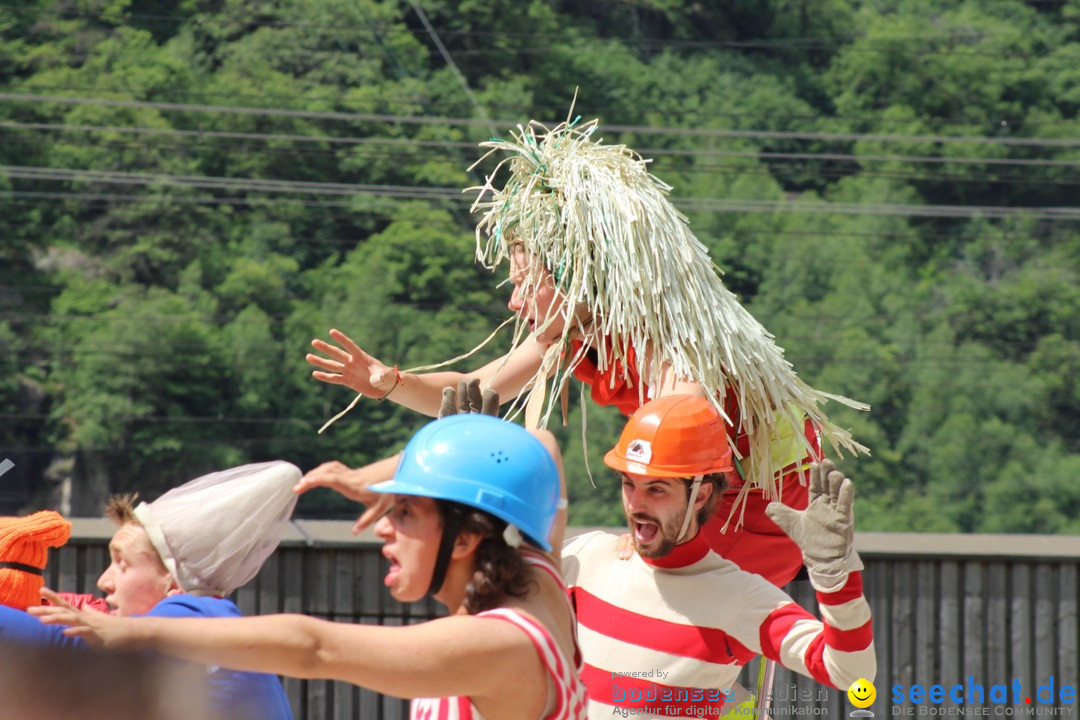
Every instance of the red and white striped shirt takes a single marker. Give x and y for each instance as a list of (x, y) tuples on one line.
[(567, 700), (667, 637)]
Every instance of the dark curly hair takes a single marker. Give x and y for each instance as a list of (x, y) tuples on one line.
[(500, 569), (719, 482)]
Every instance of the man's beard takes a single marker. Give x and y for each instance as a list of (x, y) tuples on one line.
[(667, 533)]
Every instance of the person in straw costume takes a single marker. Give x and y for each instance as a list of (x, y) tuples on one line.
[(611, 286)]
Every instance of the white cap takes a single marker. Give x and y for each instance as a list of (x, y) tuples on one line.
[(215, 532)]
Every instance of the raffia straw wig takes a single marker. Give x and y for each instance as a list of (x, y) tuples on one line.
[(624, 258)]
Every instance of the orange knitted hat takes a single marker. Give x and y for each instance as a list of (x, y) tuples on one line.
[(24, 549)]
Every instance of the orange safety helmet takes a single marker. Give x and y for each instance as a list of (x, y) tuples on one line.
[(673, 436)]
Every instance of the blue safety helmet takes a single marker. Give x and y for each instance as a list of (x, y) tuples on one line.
[(486, 463)]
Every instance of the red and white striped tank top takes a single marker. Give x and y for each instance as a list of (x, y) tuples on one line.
[(570, 701)]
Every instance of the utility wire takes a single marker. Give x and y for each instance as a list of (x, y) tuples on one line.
[(557, 110), (685, 203), (470, 122), (814, 42), (453, 66), (452, 144)]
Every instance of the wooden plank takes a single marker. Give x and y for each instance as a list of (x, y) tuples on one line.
[(347, 584), (1068, 627), (374, 599), (836, 700), (344, 696), (94, 562), (52, 567), (292, 581), (878, 579), (974, 624), (394, 708), (1020, 630), (67, 579), (1046, 593), (926, 621), (391, 708), (294, 691), (318, 702), (903, 649), (318, 582), (784, 688), (368, 705), (270, 586), (950, 622), (997, 623), (247, 598), (961, 547)]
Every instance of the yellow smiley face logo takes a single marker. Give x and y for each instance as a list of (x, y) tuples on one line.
[(862, 693)]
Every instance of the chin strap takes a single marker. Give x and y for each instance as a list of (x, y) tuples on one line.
[(453, 517), (690, 507)]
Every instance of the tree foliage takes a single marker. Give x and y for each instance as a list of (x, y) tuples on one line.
[(193, 189)]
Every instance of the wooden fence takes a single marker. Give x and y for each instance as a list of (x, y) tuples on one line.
[(973, 610)]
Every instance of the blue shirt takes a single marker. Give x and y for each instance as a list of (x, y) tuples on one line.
[(239, 695)]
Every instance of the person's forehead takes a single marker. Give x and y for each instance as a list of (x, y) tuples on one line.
[(415, 501), (522, 259), (130, 539), (519, 260), (650, 480)]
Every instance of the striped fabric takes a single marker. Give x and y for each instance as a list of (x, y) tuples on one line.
[(669, 641), (569, 690)]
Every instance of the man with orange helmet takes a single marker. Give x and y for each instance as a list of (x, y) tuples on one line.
[(666, 633)]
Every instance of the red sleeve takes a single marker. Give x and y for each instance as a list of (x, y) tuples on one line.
[(84, 600)]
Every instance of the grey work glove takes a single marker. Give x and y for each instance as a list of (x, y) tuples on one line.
[(469, 399), (825, 530)]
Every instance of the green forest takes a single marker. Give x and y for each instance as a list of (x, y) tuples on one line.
[(192, 190)]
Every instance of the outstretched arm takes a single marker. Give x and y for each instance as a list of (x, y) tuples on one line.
[(347, 364), (435, 659)]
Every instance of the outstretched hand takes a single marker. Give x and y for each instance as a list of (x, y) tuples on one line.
[(346, 364), (96, 628), (354, 484), (825, 530)]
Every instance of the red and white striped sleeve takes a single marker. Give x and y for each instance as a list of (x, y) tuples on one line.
[(836, 650)]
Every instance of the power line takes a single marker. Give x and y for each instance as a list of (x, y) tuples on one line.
[(470, 122), (687, 203), (452, 65), (921, 233), (815, 42), (452, 144), (228, 183), (558, 110), (267, 137), (27, 195), (828, 172)]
